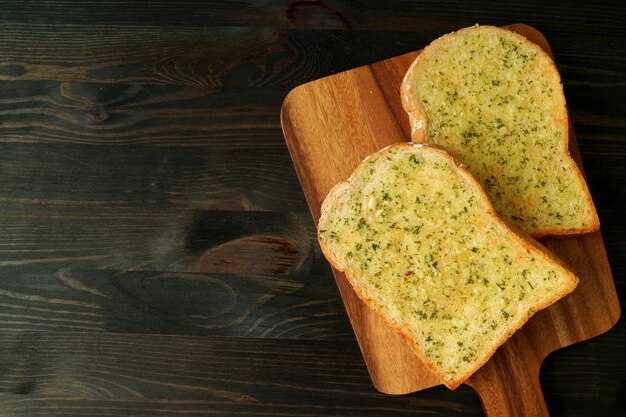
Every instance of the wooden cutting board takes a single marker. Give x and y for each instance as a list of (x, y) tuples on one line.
[(330, 125)]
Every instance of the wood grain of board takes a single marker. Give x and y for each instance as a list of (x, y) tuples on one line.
[(330, 126)]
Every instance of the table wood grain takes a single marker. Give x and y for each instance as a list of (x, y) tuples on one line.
[(157, 256)]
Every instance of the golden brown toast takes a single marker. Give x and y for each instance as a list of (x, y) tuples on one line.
[(421, 244), (494, 100)]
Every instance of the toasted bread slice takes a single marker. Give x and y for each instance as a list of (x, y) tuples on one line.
[(421, 244), (494, 100)]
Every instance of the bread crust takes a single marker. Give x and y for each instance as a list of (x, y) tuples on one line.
[(514, 233), (420, 126)]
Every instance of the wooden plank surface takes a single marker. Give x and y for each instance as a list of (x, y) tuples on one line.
[(144, 172), (330, 126)]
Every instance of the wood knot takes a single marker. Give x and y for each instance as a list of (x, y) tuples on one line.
[(250, 255), (98, 113), (316, 14)]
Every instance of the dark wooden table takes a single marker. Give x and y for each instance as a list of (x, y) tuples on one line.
[(157, 257)]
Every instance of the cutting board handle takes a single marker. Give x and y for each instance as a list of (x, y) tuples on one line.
[(509, 386)]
